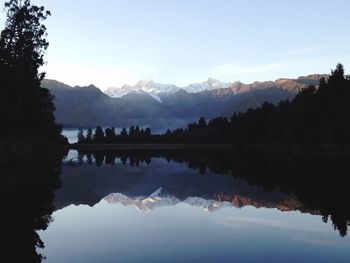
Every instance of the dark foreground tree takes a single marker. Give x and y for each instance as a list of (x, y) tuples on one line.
[(26, 109)]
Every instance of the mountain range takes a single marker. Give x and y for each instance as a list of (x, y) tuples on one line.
[(158, 90), (157, 185), (157, 199), (163, 106)]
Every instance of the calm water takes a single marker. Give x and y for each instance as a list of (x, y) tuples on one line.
[(184, 207), (165, 211)]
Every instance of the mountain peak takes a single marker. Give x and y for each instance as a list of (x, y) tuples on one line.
[(209, 84), (91, 86), (211, 80), (143, 82), (156, 90)]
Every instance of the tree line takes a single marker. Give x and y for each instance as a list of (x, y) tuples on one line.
[(108, 135), (315, 115)]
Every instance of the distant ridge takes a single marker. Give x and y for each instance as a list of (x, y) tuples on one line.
[(163, 106), (156, 90)]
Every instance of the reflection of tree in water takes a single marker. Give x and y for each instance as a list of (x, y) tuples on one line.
[(26, 194), (99, 157), (320, 183)]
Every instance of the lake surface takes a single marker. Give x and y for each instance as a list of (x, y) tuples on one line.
[(153, 206)]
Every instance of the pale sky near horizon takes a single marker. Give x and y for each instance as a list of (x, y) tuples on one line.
[(111, 43)]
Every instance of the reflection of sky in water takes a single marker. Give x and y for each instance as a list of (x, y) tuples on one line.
[(117, 233), (180, 232)]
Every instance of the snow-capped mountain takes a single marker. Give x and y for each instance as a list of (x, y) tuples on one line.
[(89, 106), (149, 86), (209, 84), (156, 90)]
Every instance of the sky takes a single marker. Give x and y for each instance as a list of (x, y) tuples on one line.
[(110, 43)]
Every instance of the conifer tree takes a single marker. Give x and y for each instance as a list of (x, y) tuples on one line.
[(25, 107)]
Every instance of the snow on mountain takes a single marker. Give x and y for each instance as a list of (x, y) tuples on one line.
[(156, 199), (209, 84), (149, 86), (156, 90)]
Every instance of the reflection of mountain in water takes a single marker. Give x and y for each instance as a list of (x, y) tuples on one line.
[(163, 184), (211, 179), (158, 199)]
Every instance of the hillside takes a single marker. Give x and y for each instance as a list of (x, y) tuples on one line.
[(89, 106)]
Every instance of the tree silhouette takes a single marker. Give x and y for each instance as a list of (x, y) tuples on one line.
[(132, 132), (99, 136), (25, 107), (148, 132), (81, 137), (202, 123), (89, 136), (110, 135), (123, 135)]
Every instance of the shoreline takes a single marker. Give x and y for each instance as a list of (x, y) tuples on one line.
[(321, 150), (149, 146)]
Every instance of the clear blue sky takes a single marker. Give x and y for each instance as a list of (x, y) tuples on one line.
[(110, 43)]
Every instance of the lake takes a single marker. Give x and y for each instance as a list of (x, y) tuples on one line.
[(187, 206)]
